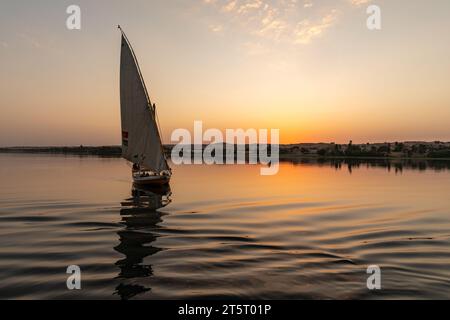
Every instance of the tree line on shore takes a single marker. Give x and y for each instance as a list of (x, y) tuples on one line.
[(432, 150), (436, 150)]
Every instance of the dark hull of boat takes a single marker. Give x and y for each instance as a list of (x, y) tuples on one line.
[(151, 181)]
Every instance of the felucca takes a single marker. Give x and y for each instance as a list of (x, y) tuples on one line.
[(141, 138)]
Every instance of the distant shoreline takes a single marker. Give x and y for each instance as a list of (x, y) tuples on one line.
[(398, 150), (104, 151)]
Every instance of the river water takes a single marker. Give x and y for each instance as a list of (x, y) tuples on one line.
[(309, 232)]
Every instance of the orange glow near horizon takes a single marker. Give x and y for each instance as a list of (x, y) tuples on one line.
[(203, 62)]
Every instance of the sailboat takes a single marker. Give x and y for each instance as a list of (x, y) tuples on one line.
[(141, 138)]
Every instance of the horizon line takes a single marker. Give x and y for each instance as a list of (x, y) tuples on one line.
[(173, 144)]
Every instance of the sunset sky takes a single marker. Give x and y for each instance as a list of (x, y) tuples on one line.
[(310, 68)]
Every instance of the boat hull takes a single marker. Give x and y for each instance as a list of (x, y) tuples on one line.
[(151, 180)]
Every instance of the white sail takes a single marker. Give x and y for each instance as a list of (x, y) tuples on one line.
[(141, 141)]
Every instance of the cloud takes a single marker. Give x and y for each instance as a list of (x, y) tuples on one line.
[(359, 2), (216, 28), (306, 31), (249, 6), (308, 4), (274, 20)]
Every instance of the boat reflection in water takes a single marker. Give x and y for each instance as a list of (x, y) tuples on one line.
[(140, 217)]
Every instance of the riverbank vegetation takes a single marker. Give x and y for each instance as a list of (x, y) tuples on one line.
[(388, 150)]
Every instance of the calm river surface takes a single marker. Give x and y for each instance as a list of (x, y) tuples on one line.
[(309, 232)]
